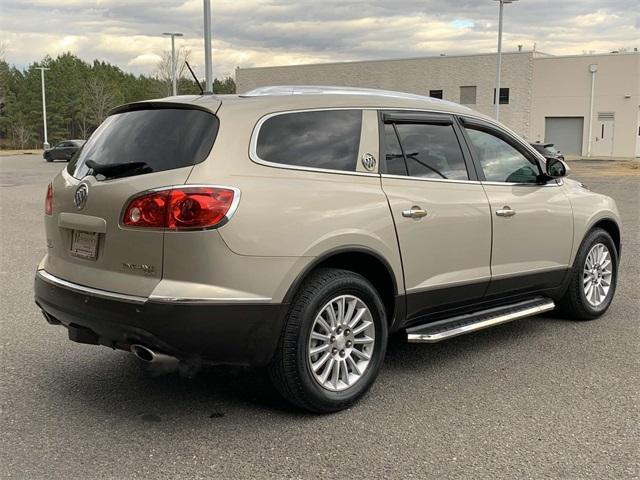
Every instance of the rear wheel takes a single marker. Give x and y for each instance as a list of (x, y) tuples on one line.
[(593, 278), (333, 342)]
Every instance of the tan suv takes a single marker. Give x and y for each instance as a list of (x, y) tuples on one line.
[(297, 227)]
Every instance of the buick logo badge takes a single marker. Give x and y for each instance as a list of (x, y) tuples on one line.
[(369, 161), (80, 197)]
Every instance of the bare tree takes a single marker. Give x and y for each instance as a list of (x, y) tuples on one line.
[(21, 134), (163, 71), (100, 98)]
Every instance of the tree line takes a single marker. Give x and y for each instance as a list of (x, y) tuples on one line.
[(79, 96)]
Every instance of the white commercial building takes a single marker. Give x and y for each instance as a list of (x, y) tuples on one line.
[(555, 99)]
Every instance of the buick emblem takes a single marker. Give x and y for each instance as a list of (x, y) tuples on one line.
[(80, 197), (369, 161)]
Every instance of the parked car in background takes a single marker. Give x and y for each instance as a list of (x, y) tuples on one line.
[(296, 228), (63, 151), (548, 151)]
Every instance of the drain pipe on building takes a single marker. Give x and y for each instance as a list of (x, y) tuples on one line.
[(593, 68)]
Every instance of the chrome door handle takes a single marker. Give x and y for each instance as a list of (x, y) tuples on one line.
[(414, 212), (505, 211)]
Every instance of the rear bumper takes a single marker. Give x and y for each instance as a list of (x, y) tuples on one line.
[(237, 334)]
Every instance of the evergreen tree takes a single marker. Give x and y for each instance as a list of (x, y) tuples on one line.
[(79, 97)]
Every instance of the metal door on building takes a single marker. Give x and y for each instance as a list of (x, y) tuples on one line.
[(603, 135), (565, 133)]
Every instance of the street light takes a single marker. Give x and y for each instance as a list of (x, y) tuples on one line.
[(45, 145), (208, 64), (173, 36), (499, 68)]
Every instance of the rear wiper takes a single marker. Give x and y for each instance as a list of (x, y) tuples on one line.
[(113, 170)]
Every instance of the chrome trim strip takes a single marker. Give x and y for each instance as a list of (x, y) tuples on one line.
[(556, 183), (474, 327), (232, 209), (53, 280), (206, 301), (422, 179)]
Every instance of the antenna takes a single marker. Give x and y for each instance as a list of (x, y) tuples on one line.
[(195, 78)]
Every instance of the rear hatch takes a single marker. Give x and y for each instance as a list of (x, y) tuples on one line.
[(139, 147)]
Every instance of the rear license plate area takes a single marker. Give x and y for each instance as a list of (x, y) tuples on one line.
[(84, 244)]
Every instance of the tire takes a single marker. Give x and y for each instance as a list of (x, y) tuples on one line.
[(291, 368), (574, 304)]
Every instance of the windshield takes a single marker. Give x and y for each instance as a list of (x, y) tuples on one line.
[(161, 139)]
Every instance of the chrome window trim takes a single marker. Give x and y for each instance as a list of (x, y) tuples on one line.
[(232, 209), (557, 183), (423, 179), (52, 279), (253, 144)]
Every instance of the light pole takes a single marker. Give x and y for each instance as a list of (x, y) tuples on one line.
[(45, 145), (208, 68), (173, 36), (499, 68)]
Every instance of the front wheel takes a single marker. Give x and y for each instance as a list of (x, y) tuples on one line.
[(333, 342), (593, 278)]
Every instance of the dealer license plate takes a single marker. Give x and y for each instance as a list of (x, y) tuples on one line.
[(84, 244)]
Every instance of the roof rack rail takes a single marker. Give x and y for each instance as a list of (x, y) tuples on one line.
[(277, 90)]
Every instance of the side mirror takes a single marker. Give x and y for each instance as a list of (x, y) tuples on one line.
[(557, 168)]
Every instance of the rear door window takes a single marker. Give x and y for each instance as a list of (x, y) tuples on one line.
[(429, 151), (327, 139), (151, 140)]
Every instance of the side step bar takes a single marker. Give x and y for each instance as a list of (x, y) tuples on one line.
[(452, 327)]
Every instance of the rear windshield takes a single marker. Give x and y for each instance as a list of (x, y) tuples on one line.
[(150, 140)]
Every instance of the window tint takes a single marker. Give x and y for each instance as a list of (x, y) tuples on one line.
[(432, 151), (500, 161), (321, 139), (468, 95), (159, 139), (393, 152)]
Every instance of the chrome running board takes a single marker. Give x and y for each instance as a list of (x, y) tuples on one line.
[(462, 324)]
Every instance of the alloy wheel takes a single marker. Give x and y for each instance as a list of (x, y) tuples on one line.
[(341, 343), (597, 275)]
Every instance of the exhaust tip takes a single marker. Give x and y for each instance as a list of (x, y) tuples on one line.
[(143, 353)]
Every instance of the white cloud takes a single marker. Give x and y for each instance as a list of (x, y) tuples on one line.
[(275, 32)]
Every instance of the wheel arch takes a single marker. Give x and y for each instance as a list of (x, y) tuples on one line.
[(610, 226), (364, 261)]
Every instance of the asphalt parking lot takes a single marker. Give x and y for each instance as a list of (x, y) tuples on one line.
[(538, 398)]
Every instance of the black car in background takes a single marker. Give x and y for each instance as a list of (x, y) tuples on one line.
[(548, 150), (63, 151)]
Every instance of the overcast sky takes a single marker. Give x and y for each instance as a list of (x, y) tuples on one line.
[(270, 32)]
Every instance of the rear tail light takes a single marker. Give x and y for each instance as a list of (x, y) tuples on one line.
[(48, 201), (182, 208)]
